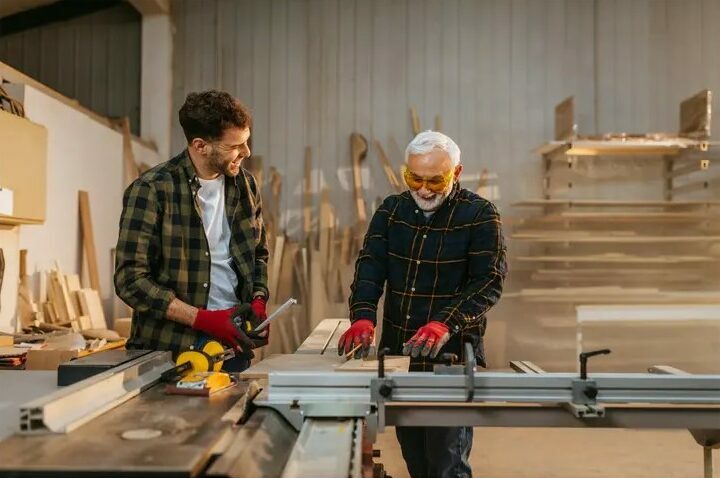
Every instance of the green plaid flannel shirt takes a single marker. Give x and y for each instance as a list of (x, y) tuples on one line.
[(162, 251), (450, 268)]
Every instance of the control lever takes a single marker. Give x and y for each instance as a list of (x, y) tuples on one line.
[(584, 356), (584, 391), (470, 364), (385, 389)]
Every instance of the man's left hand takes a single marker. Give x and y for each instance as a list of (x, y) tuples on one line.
[(428, 340)]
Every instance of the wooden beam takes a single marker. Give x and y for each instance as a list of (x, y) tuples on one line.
[(89, 240), (307, 194), (358, 149), (414, 121), (389, 172)]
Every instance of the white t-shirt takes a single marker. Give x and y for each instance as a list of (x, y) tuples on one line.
[(223, 280)]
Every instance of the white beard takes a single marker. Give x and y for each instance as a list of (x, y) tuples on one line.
[(432, 204)]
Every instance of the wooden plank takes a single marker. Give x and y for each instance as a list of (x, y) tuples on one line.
[(318, 297), (619, 258), (389, 171), (292, 363), (61, 298), (613, 295), (605, 216), (307, 194), (565, 127), (321, 339), (130, 165), (611, 203), (92, 307), (414, 121), (277, 259), (89, 240), (285, 287), (647, 312), (358, 151), (22, 271), (695, 115), (392, 364), (618, 237)]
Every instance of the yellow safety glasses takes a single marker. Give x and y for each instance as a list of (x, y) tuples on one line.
[(436, 184)]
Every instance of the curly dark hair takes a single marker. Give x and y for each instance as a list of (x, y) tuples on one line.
[(208, 114)]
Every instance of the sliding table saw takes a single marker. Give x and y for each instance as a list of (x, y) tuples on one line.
[(319, 422)]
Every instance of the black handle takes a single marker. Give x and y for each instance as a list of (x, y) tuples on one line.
[(381, 361), (584, 356)]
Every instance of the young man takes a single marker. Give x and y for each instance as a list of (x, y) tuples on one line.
[(192, 249), (438, 252)]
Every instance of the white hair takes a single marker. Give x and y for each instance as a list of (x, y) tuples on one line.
[(429, 140)]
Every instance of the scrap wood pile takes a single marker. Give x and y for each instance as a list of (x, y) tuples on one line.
[(65, 316)]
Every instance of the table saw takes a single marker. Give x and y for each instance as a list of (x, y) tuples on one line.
[(316, 421)]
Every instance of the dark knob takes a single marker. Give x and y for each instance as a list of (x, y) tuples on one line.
[(385, 390), (448, 358), (591, 392)]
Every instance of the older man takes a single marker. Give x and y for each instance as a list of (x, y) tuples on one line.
[(438, 252)]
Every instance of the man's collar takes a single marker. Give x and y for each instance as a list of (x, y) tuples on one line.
[(189, 168)]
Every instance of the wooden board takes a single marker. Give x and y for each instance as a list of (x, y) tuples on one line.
[(565, 127), (324, 337), (611, 203), (619, 258), (23, 165), (92, 307), (623, 216), (648, 312), (392, 364), (613, 295), (604, 237), (89, 240), (276, 262), (307, 193), (292, 363)]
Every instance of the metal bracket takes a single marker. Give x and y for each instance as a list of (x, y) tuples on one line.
[(584, 391)]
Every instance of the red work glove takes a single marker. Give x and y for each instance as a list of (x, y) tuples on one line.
[(428, 340), (258, 306), (360, 332), (218, 324)]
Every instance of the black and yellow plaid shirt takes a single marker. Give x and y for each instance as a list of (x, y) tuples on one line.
[(162, 251), (449, 267)]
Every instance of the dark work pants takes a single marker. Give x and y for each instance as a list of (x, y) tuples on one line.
[(436, 452)]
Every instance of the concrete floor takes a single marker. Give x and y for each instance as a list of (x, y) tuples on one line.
[(576, 453)]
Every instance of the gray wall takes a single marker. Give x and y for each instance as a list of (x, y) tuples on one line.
[(94, 58), (314, 71)]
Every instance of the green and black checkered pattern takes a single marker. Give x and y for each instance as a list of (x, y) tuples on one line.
[(162, 251), (450, 268)]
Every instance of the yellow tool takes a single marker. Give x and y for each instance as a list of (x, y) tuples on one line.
[(197, 372)]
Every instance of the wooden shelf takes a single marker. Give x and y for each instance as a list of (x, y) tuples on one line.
[(623, 216), (613, 295), (610, 203), (596, 237), (617, 258), (619, 147), (17, 221)]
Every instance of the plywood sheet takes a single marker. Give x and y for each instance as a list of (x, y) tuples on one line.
[(23, 164)]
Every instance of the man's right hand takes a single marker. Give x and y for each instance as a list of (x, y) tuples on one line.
[(360, 333), (218, 324)]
